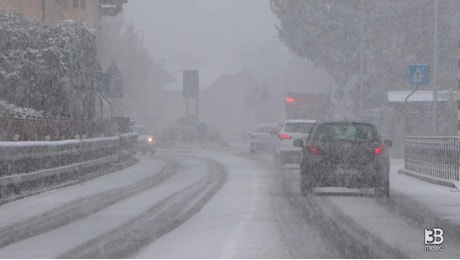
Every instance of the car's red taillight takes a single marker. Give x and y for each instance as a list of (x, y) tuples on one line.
[(379, 150), (284, 136), (312, 149)]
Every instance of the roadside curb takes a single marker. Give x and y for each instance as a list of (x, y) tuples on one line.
[(429, 179), (423, 215), (407, 206)]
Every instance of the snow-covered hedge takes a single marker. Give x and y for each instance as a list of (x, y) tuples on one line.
[(11, 110), (48, 67)]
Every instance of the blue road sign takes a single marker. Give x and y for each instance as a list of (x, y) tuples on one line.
[(418, 74), (202, 127)]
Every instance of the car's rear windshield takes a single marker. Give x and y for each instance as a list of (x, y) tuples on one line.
[(298, 127), (356, 132), (266, 128)]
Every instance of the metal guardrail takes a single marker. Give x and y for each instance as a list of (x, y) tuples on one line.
[(30, 165), (437, 157)]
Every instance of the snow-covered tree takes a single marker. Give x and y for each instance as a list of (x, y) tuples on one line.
[(48, 67), (373, 38), (142, 77)]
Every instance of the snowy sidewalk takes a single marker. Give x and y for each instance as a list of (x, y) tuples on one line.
[(443, 201)]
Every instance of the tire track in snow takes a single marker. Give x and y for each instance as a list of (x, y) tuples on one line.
[(350, 239), (160, 219), (81, 208)]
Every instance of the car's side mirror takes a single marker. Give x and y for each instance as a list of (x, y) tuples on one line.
[(388, 143), (298, 143)]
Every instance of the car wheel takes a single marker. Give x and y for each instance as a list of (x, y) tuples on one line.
[(306, 182), (306, 185), (383, 191), (252, 149), (280, 159)]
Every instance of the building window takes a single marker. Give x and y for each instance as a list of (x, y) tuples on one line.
[(83, 4), (79, 4)]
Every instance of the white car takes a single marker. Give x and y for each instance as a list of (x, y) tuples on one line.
[(264, 138), (291, 130)]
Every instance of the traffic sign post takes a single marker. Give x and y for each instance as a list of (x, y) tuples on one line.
[(418, 74), (190, 82)]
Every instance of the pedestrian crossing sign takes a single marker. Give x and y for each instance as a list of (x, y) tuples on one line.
[(418, 74)]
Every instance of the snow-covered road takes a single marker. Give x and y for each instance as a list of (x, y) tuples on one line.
[(250, 217), (224, 204)]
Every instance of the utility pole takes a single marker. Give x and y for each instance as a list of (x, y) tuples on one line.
[(361, 60), (435, 66), (44, 11)]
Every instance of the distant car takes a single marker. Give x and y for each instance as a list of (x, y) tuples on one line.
[(345, 153), (263, 138), (291, 129), (145, 140)]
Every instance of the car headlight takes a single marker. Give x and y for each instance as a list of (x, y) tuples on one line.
[(150, 139)]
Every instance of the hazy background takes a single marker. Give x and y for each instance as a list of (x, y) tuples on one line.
[(210, 35), (234, 45)]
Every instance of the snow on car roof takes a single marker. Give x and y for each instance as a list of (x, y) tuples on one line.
[(300, 121), (267, 125)]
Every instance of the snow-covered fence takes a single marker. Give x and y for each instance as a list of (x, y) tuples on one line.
[(437, 157), (26, 166)]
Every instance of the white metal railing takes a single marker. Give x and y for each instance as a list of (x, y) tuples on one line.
[(433, 156), (27, 165)]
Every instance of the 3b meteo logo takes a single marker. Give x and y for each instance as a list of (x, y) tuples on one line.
[(434, 238)]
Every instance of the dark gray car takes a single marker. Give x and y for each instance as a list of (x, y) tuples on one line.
[(346, 154), (145, 140)]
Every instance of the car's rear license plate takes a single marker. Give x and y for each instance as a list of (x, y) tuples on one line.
[(342, 171)]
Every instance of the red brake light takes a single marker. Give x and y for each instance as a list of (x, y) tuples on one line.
[(284, 136), (290, 99), (312, 149), (378, 150)]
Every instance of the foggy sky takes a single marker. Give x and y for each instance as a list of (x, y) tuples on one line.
[(206, 34)]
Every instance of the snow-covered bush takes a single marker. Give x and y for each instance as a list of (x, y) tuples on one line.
[(48, 67), (11, 110)]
